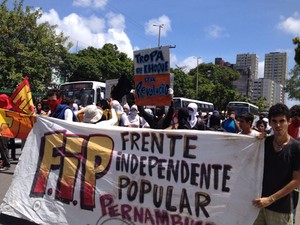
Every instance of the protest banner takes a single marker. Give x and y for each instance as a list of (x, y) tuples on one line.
[(21, 98), (152, 76), (76, 173)]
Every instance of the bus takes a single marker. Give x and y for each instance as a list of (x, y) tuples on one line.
[(242, 107), (83, 92), (180, 102)]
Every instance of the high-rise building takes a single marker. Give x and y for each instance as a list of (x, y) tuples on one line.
[(248, 61), (267, 89), (247, 66), (276, 68)]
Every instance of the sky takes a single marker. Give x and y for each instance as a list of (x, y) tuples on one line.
[(203, 29)]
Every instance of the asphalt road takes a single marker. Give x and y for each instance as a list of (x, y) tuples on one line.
[(5, 181)]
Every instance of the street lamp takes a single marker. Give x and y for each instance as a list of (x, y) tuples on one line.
[(197, 77), (159, 27)]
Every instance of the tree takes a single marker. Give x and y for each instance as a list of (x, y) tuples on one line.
[(182, 84), (215, 84), (28, 48), (293, 84), (262, 107), (296, 41), (97, 64)]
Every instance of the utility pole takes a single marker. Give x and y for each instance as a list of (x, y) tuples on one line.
[(197, 77), (159, 27)]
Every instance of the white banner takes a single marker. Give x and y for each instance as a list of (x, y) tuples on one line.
[(76, 173)]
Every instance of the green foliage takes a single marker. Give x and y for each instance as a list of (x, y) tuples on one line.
[(97, 64), (262, 105), (182, 84), (296, 41), (215, 84), (28, 48), (293, 83)]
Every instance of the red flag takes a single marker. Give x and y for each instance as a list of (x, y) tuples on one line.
[(21, 98)]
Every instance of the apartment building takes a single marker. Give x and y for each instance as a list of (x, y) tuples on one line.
[(247, 66), (276, 69)]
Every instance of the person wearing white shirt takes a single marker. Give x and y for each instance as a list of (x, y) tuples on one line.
[(245, 122)]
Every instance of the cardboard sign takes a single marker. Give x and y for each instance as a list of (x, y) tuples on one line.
[(152, 76)]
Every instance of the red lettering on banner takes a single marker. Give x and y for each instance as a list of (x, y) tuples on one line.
[(86, 156)]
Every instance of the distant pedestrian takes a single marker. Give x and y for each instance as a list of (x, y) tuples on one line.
[(294, 127), (183, 119), (215, 123), (39, 109), (230, 124), (245, 123), (4, 104)]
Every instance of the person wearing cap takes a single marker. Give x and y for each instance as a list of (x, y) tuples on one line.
[(4, 104), (92, 114)]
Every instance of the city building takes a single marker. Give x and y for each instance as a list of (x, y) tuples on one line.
[(267, 89), (248, 61), (247, 66), (276, 69)]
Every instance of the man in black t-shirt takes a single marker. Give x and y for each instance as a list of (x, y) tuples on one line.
[(281, 171)]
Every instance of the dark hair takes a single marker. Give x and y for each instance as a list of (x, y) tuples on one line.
[(52, 92), (295, 110), (230, 110), (215, 120), (258, 122), (279, 109), (183, 113), (248, 117), (104, 104), (67, 101)]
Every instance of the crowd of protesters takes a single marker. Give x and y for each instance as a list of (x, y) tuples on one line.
[(280, 128)]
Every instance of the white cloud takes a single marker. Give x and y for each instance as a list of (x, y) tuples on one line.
[(189, 63), (164, 21), (261, 67), (90, 3), (92, 31), (215, 32), (116, 21), (291, 24)]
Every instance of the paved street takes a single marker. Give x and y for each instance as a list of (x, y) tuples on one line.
[(6, 178)]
